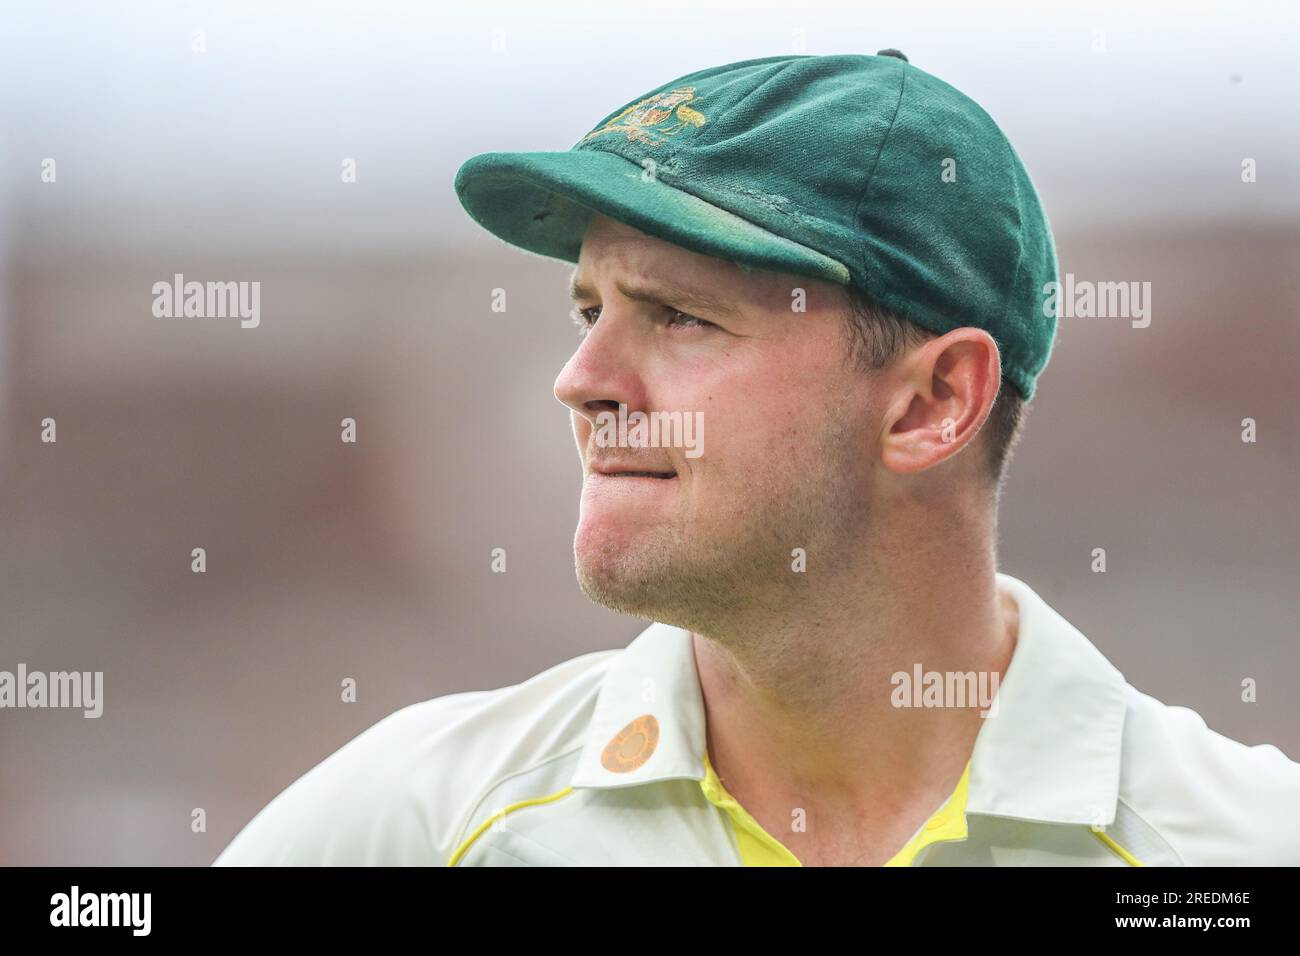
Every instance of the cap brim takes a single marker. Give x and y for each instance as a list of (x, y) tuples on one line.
[(543, 202)]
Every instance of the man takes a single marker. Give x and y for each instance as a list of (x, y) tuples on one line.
[(840, 266)]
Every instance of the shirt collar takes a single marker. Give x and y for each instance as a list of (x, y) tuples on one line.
[(1052, 751), (1049, 752), (651, 699)]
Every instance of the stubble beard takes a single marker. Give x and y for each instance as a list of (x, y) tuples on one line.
[(722, 576)]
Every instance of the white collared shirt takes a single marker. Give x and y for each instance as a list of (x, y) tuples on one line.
[(602, 760)]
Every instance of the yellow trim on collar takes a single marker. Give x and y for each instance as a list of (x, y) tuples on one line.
[(759, 848)]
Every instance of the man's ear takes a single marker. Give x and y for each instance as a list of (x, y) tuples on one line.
[(945, 391)]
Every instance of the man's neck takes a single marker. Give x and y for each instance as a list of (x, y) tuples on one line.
[(804, 713)]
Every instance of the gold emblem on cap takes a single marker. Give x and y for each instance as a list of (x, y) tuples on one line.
[(631, 746), (647, 121)]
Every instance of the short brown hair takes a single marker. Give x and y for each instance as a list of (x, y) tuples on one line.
[(879, 336)]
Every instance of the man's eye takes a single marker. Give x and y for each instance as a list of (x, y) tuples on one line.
[(584, 319), (680, 319)]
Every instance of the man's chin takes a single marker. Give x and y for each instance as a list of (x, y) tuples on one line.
[(610, 584), (631, 577)]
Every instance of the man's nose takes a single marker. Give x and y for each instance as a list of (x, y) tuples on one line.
[(605, 370)]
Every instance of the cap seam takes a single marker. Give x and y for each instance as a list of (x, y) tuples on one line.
[(735, 106), (797, 215), (1025, 386), (871, 176)]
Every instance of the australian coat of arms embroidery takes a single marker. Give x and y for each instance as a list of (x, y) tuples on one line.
[(655, 118)]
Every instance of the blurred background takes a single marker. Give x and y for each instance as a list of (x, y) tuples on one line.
[(209, 139)]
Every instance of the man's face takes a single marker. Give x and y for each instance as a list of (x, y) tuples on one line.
[(788, 430)]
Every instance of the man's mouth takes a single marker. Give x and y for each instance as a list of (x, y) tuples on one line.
[(616, 471), (662, 475)]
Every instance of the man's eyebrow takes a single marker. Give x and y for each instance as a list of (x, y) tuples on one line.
[(660, 292)]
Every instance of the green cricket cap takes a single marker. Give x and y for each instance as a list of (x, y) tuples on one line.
[(860, 170)]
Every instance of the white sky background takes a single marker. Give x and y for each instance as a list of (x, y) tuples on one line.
[(242, 145)]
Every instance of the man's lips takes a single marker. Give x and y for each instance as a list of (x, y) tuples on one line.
[(610, 470)]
